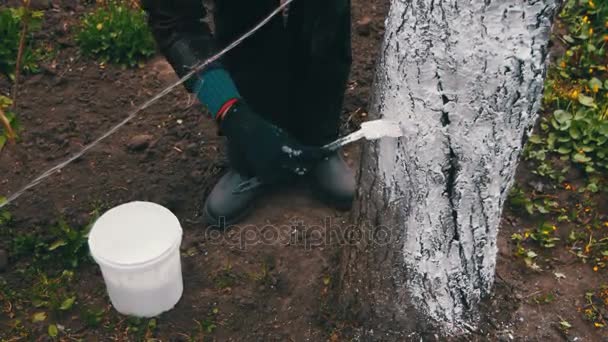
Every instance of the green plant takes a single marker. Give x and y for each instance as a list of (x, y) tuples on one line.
[(92, 317), (528, 255), (520, 200), (544, 235), (10, 29), (65, 247), (575, 129), (5, 215), (9, 126), (596, 305), (116, 33), (225, 278), (53, 293)]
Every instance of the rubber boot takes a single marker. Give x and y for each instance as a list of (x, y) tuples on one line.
[(227, 204), (224, 205), (334, 182)]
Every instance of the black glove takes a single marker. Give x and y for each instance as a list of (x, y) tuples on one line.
[(273, 154)]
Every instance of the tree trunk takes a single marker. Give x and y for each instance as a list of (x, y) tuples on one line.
[(465, 79)]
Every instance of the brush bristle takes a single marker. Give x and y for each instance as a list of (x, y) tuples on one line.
[(381, 128)]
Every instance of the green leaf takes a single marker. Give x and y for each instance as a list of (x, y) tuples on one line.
[(67, 303), (57, 244), (575, 133), (589, 169), (52, 330), (542, 209), (580, 158), (39, 317), (562, 116), (586, 100), (595, 84), (592, 187), (530, 208), (535, 139)]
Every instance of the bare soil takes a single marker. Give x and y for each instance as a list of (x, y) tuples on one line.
[(267, 279)]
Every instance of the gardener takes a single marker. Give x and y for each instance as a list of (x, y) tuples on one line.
[(277, 97)]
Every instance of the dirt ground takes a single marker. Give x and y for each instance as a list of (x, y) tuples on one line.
[(266, 279)]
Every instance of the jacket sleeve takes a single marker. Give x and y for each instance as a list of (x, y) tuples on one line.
[(180, 33)]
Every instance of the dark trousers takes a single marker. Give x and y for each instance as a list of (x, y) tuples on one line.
[(292, 73)]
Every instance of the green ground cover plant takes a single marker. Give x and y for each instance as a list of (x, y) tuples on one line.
[(570, 153), (116, 32)]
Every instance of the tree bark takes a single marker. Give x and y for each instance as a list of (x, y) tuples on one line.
[(465, 80)]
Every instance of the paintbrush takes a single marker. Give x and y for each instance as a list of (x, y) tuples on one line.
[(370, 130)]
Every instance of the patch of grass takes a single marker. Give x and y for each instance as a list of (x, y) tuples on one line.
[(10, 30), (116, 33)]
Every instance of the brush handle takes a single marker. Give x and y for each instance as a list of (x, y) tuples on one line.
[(333, 146)]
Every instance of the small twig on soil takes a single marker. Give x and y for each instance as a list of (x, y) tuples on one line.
[(7, 127), (532, 294), (25, 18)]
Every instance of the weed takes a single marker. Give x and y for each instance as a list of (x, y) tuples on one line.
[(544, 235), (91, 317), (575, 131), (142, 329), (52, 293), (65, 246), (596, 305), (225, 278), (263, 276), (531, 203), (10, 125), (116, 33), (528, 255), (10, 29), (546, 298), (5, 215)]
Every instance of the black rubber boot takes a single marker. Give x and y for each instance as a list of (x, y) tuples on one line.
[(335, 182), (225, 205)]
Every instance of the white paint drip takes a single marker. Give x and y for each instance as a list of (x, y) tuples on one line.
[(291, 152)]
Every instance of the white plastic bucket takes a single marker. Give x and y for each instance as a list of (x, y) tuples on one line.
[(137, 247)]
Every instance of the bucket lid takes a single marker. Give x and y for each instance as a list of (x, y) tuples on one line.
[(134, 233)]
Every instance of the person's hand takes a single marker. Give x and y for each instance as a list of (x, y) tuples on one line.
[(271, 152)]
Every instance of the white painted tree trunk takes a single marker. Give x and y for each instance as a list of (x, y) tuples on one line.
[(465, 79)]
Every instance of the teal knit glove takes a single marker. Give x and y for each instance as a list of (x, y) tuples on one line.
[(214, 88)]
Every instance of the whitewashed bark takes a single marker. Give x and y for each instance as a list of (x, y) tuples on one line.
[(465, 80)]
